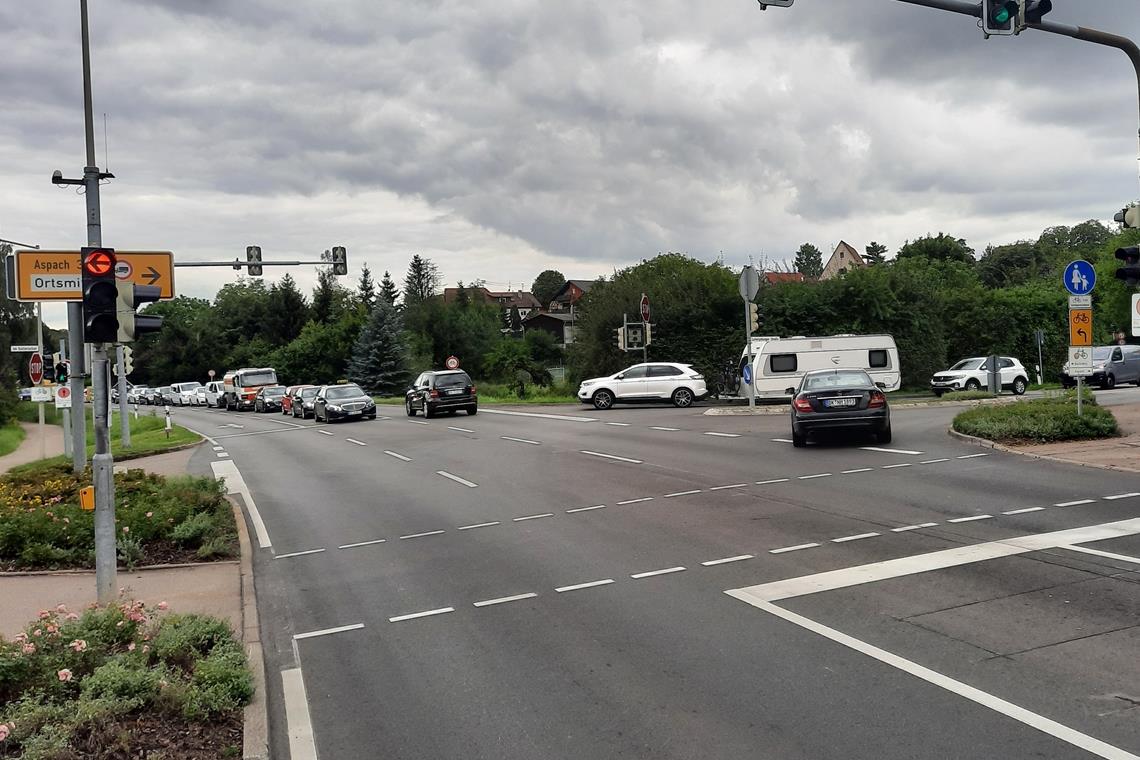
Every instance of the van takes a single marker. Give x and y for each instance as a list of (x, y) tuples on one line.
[(214, 394), (779, 363), (185, 394), (1112, 366), (240, 386)]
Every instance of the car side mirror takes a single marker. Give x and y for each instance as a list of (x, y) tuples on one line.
[(790, 391), (881, 386), (620, 377)]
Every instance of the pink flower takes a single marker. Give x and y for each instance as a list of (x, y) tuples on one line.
[(37, 632), (150, 514), (72, 616), (3, 731), (52, 630), (44, 614), (163, 606), (79, 645), (29, 648), (61, 609), (64, 675), (21, 637), (131, 647), (126, 529)]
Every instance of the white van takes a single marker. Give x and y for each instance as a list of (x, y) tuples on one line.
[(779, 363), (215, 396), (185, 394)]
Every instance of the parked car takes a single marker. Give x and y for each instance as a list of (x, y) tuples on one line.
[(1112, 366), (304, 399), (974, 374), (342, 402), (185, 394), (445, 391), (200, 396), (655, 381), (268, 398), (214, 395), (25, 394), (161, 395), (137, 394), (292, 393), (839, 399)]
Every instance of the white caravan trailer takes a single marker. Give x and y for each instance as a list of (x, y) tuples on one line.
[(779, 363)]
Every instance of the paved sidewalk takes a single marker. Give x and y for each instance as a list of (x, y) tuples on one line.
[(29, 449), (1111, 453)]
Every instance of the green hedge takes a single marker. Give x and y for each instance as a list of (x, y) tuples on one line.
[(1038, 421)]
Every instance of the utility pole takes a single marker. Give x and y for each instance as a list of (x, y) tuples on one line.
[(40, 351), (124, 418), (66, 411)]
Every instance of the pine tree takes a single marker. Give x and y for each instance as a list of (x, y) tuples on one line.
[(876, 253), (388, 290), (380, 357), (809, 261), (286, 312), (421, 281), (366, 288)]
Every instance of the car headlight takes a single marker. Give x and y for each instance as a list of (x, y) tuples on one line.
[(333, 408), (370, 405), (1100, 366)]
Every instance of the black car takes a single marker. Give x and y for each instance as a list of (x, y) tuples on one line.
[(342, 402), (304, 398), (839, 399), (446, 391), (268, 399)]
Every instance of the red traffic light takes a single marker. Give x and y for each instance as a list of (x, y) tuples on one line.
[(99, 263)]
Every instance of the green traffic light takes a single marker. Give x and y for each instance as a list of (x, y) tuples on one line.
[(1002, 15)]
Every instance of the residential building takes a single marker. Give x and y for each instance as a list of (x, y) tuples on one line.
[(523, 300), (843, 259), (778, 278), (571, 294)]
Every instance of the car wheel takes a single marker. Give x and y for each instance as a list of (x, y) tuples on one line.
[(1109, 382), (682, 398), (973, 385), (603, 400), (1019, 386), (884, 435), (472, 411), (798, 440), (411, 410), (428, 411)]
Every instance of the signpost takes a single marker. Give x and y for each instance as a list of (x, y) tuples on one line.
[(62, 397), (1079, 279), (452, 362), (644, 308), (1080, 327), (1136, 314), (56, 275), (749, 287), (36, 368)]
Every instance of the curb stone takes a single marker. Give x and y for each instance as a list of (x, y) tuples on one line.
[(783, 408), (988, 444), (255, 732)]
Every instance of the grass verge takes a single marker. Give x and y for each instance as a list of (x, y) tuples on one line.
[(11, 436), (148, 436), (123, 680), (1044, 420), (27, 411)]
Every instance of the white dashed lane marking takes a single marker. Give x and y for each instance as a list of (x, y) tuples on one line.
[(634, 501), (585, 509), (652, 573), (534, 517), (920, 526), (479, 525), (459, 429), (590, 584), (1122, 496), (726, 560), (358, 443), (363, 543), (723, 435), (665, 429), (328, 631), (427, 613), (796, 548), (813, 477), (725, 488), (421, 535), (1024, 511), (324, 432), (770, 482), (856, 537), (934, 461), (680, 493), (418, 422), (896, 466), (611, 456), (891, 451), (1076, 503), (781, 440), (972, 456), (401, 457), (521, 440), (456, 478), (618, 424), (298, 554), (861, 469), (970, 519), (505, 599)]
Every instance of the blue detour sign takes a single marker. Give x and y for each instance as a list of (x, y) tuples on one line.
[(747, 375), (1079, 278)]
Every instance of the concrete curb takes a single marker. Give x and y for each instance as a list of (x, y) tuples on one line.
[(139, 569), (255, 733), (988, 444), (783, 408)]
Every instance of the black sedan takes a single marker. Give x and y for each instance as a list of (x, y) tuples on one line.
[(839, 399), (343, 402), (268, 399)]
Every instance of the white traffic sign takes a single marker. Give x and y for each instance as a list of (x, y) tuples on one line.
[(1136, 314), (25, 349), (1080, 361), (1080, 302), (62, 397), (41, 393), (749, 283)]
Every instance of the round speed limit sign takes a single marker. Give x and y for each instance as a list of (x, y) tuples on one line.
[(452, 362)]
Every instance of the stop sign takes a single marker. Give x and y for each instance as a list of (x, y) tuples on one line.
[(36, 368), (644, 308)]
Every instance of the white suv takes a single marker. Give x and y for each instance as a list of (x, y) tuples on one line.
[(655, 381), (185, 394), (974, 375)]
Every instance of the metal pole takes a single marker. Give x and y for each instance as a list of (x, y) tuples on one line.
[(1040, 361), (40, 351), (1080, 388), (124, 418), (67, 442), (751, 369)]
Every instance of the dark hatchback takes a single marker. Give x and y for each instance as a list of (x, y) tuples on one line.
[(343, 402), (435, 392), (268, 399), (839, 400)]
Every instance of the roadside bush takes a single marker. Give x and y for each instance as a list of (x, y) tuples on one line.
[(1038, 421)]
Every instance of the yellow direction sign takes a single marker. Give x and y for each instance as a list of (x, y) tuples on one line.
[(56, 275), (1080, 327)]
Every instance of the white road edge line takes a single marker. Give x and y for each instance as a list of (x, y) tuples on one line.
[(358, 443), (1024, 511), (591, 584), (533, 517), (726, 560), (227, 470), (426, 613), (421, 535), (505, 599), (680, 493), (328, 631), (1099, 553), (786, 549), (302, 745), (919, 526), (479, 525), (891, 451), (634, 501), (459, 429), (1076, 503), (856, 537), (651, 573), (970, 519), (611, 456), (456, 478), (401, 457), (521, 440), (725, 488), (298, 554), (363, 543), (585, 509)]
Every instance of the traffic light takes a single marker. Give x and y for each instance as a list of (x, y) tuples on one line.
[(61, 372), (129, 298), (1000, 16), (1130, 272), (253, 254), (1035, 9), (621, 338), (1129, 217), (100, 295), (128, 365), (340, 261), (753, 318)]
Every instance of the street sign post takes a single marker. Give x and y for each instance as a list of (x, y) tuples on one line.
[(41, 393), (1079, 278), (1080, 361), (56, 275), (644, 308), (1080, 327), (452, 362), (22, 349), (62, 397), (749, 286), (36, 368)]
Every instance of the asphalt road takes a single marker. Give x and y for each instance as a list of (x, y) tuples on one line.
[(529, 586)]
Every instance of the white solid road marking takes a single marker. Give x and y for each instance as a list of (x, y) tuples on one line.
[(324, 432), (894, 466), (479, 525), (770, 482), (218, 448), (1024, 511), (1099, 553), (934, 461), (328, 631), (302, 745), (634, 501), (563, 417), (1076, 503), (723, 488), (222, 454), (856, 537), (726, 560), (457, 479), (363, 543), (521, 440), (972, 456), (427, 613), (812, 477), (1041, 723), (418, 422), (459, 429), (235, 483), (298, 554), (1122, 496), (861, 469), (591, 584), (970, 519), (651, 573), (421, 535), (401, 457), (796, 548), (724, 435), (358, 443), (585, 509), (611, 456), (920, 526), (505, 599), (619, 424), (680, 493), (890, 451), (665, 429), (534, 517)]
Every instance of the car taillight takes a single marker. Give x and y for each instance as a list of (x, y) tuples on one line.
[(473, 391), (801, 404), (877, 400), (434, 393)]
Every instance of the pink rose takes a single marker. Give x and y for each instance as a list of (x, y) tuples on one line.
[(52, 630), (3, 731), (44, 614), (64, 675), (61, 609), (29, 648), (79, 645), (21, 637), (163, 606), (37, 632), (72, 616)]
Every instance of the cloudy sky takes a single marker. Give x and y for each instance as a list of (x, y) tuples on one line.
[(503, 137)]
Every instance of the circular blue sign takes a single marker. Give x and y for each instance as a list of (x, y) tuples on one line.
[(1079, 278), (747, 375)]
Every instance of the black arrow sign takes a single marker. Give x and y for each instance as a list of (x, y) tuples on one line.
[(152, 275), (1081, 332)]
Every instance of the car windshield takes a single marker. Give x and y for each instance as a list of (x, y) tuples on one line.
[(277, 390), (839, 378), (1101, 354), (967, 364), (343, 391), (258, 377), (458, 380), (190, 387), (309, 392)]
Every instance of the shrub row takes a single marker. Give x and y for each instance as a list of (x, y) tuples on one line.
[(1042, 420)]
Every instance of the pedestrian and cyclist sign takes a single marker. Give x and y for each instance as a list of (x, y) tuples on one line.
[(1079, 278)]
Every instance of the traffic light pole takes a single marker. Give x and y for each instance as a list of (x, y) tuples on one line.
[(124, 417)]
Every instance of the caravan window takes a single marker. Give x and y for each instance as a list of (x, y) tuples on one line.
[(783, 363), (877, 358)]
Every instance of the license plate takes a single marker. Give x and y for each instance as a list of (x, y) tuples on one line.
[(354, 414), (834, 402), (454, 393)]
